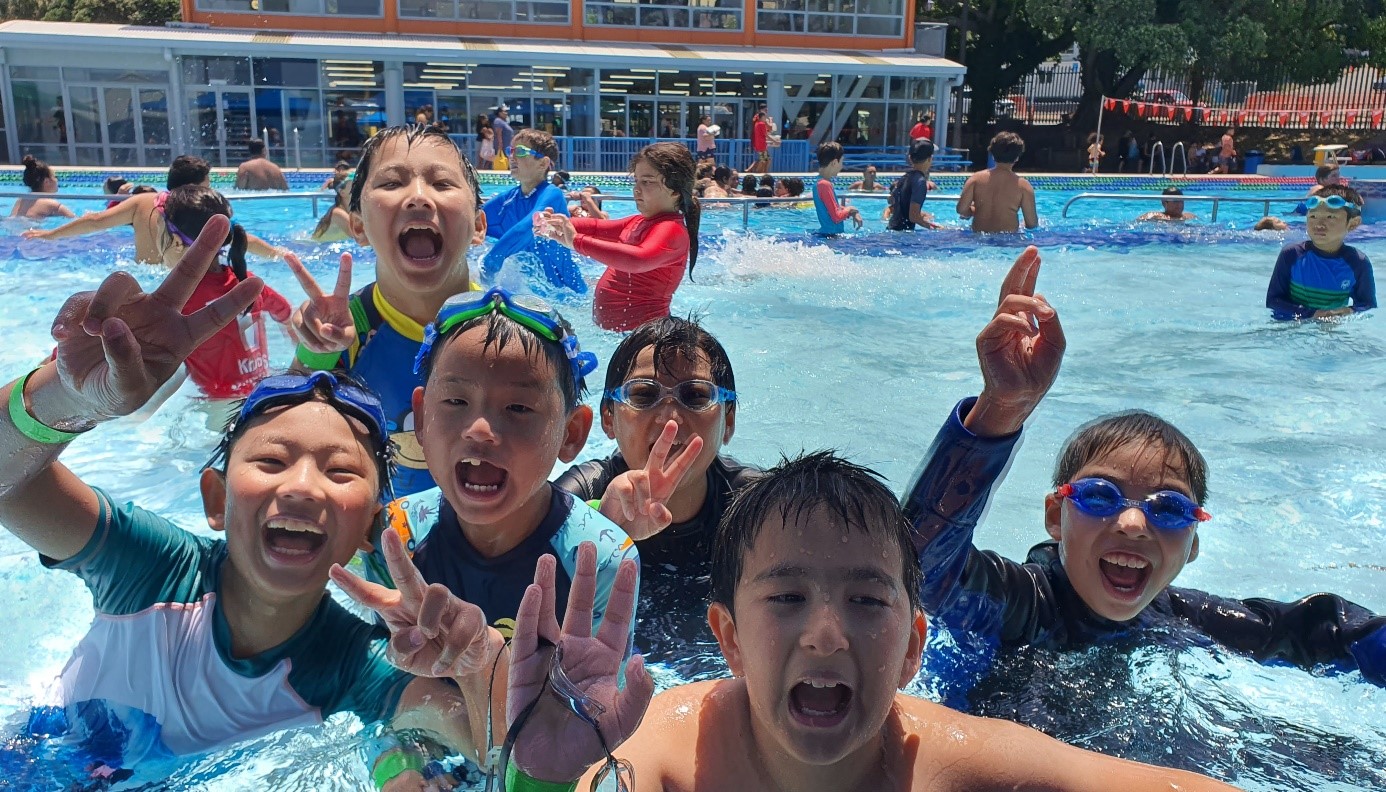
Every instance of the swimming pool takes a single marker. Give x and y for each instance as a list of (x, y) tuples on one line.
[(863, 344)]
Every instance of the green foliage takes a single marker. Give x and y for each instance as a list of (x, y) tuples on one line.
[(132, 12)]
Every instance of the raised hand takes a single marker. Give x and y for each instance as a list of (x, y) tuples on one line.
[(558, 227), (554, 744), (117, 345), (635, 499), (323, 323), (1020, 351), (433, 633)]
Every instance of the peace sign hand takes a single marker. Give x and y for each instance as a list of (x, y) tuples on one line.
[(117, 345), (554, 744), (323, 323), (1020, 351), (433, 633), (635, 499)]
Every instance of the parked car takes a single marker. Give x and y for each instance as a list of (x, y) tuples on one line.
[(1166, 97), (1003, 108)]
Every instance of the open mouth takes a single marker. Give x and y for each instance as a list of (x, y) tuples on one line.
[(820, 704), (421, 245), (1124, 574), (293, 541), (479, 479)]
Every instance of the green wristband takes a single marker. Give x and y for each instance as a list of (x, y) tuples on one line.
[(393, 763), (517, 781), (318, 361), (27, 424)]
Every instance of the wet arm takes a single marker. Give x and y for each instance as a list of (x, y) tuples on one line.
[(965, 200), (1027, 206), (261, 248), (63, 210), (1278, 293), (836, 212), (122, 213)]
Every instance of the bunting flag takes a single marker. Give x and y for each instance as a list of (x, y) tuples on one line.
[(1285, 119), (1376, 118), (1351, 117), (1126, 106), (1304, 119)]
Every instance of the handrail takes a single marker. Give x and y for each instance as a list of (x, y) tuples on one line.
[(259, 196), (747, 201), (1178, 149), (1217, 200), (1164, 166)]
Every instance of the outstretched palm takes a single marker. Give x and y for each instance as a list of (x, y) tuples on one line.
[(554, 744), (117, 345)]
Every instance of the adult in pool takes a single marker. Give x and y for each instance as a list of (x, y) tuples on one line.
[(1173, 211), (39, 178)]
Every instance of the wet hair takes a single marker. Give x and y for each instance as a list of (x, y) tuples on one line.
[(722, 175), (113, 185), (748, 183), (1172, 191), (322, 392), (853, 495), (921, 150), (1006, 147), (1096, 439), (1324, 171), (538, 140), (501, 331), (829, 153), (793, 186), (342, 200), (342, 165), (188, 209), (187, 169), (561, 178), (674, 163), (767, 180), (255, 146), (675, 340), (1342, 191), (142, 188), (412, 133), (36, 172)]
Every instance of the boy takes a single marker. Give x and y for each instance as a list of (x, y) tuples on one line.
[(413, 200), (500, 403), (909, 191), (1317, 278), (868, 181), (815, 605), (510, 215), (198, 643), (831, 214), (993, 197), (1173, 211), (1123, 519), (341, 173)]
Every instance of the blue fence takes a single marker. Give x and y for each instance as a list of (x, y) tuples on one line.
[(613, 153)]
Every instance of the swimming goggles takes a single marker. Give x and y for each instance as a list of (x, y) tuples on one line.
[(526, 309), (281, 389), (1333, 202), (1166, 510), (693, 395), (520, 152)]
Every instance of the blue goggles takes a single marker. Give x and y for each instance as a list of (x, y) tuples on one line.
[(1166, 510), (525, 309), (352, 400), (693, 395), (1333, 202)]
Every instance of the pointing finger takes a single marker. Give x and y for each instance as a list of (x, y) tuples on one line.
[(372, 595), (1021, 277), (118, 288), (660, 451), (679, 468)]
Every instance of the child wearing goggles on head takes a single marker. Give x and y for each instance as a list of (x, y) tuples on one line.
[(510, 215), (199, 643), (1123, 520), (414, 201), (500, 405), (1322, 277)]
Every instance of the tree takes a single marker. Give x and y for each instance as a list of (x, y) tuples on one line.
[(122, 12)]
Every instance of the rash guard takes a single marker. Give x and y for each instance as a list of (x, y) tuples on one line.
[(509, 221), (831, 214), (1306, 280), (644, 258), (1034, 604), (227, 365)]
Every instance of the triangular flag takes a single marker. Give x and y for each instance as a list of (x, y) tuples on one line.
[(1325, 118), (1351, 117), (1140, 109), (1304, 119), (1284, 119), (1126, 106), (1376, 117)]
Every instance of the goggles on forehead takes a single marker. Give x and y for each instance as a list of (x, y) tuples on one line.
[(1333, 202), (1166, 510), (525, 309)]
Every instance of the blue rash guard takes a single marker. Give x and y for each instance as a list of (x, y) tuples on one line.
[(1306, 280), (510, 222), (1033, 604)]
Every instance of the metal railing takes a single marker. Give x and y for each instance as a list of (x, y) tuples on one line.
[(1217, 200), (1164, 165), (747, 201), (265, 196), (1183, 158)]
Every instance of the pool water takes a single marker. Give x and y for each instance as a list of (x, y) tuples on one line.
[(863, 344)]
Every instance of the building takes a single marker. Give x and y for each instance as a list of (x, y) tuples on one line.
[(316, 77)]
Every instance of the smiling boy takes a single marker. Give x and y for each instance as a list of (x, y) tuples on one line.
[(1318, 278)]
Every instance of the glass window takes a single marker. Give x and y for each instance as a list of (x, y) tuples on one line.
[(721, 14), (216, 71), (34, 73), (286, 71), (85, 111), (353, 74), (831, 17), (39, 112), (77, 74), (154, 120), (525, 11)]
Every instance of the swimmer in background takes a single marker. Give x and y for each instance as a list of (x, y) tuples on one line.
[(994, 197), (510, 214), (723, 183), (115, 185), (749, 186), (789, 187), (39, 178), (335, 224), (908, 193), (1173, 211), (868, 182), (1322, 277), (831, 214), (341, 175), (588, 203)]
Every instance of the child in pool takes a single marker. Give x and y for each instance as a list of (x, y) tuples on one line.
[(501, 403), (1318, 278), (227, 365), (645, 253), (413, 200), (335, 224), (815, 605), (832, 216), (1123, 519), (510, 215), (39, 178), (199, 643)]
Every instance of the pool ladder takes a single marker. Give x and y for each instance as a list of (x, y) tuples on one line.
[(1167, 167)]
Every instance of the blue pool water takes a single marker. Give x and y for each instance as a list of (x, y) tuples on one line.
[(863, 344)]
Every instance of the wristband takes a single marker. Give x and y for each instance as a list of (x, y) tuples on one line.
[(318, 361), (31, 427), (393, 763), (517, 781), (595, 503)]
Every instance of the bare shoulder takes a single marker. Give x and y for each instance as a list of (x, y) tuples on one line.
[(1026, 185), (685, 740)]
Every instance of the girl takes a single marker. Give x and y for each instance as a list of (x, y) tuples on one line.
[(336, 224), (38, 177), (644, 254), (227, 365), (485, 147)]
